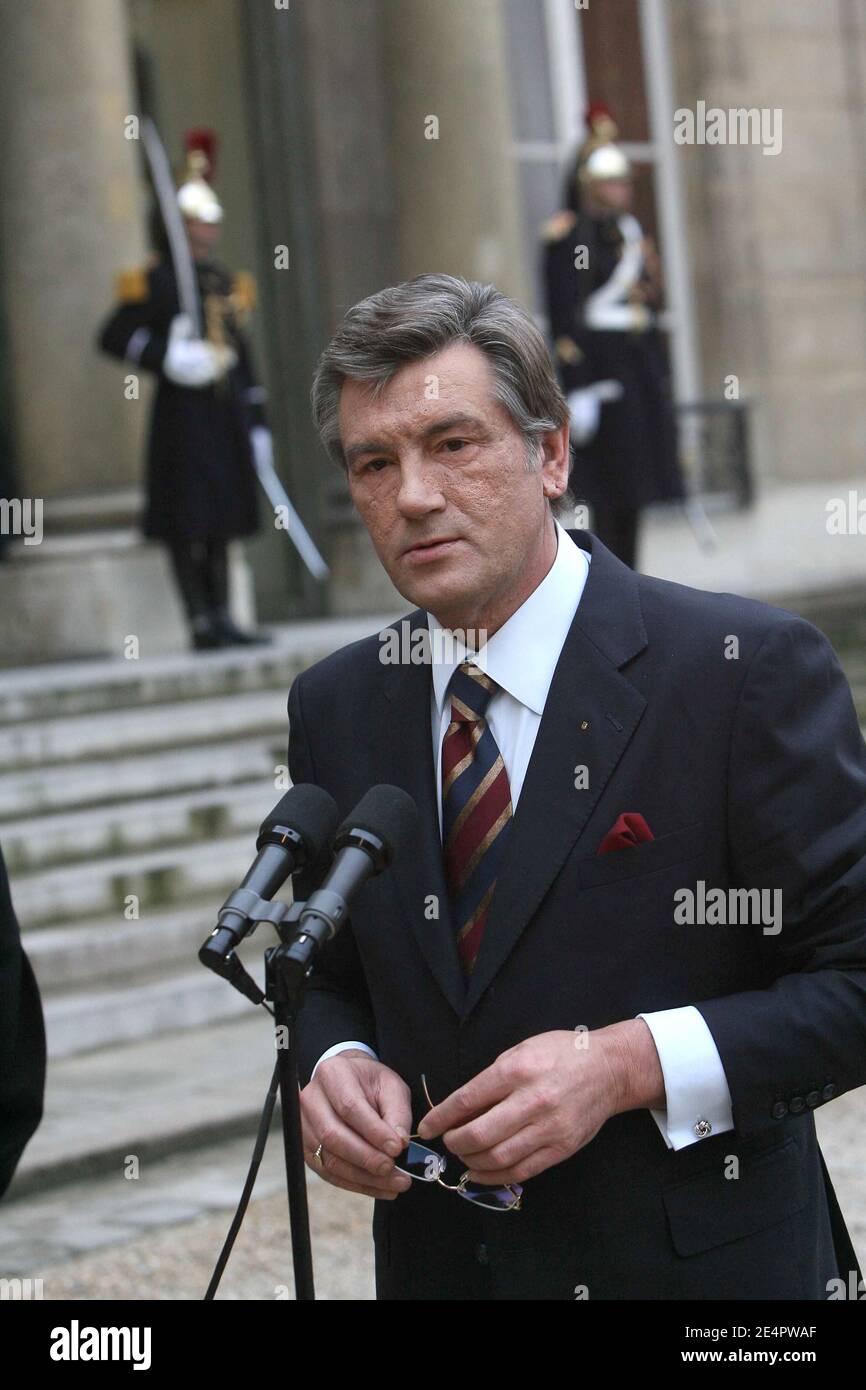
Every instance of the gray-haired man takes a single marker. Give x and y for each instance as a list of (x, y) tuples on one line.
[(591, 751)]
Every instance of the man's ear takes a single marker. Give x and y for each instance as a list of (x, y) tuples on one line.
[(555, 461)]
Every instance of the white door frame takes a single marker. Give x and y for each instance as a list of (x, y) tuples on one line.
[(685, 359)]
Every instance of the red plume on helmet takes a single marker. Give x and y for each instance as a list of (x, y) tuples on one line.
[(601, 129), (600, 120), (195, 195), (205, 141)]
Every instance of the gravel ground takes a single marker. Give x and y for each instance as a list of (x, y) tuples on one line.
[(176, 1262)]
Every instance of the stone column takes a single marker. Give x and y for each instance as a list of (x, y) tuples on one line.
[(455, 187), (392, 202), (70, 219)]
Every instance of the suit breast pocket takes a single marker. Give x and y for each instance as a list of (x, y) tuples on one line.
[(645, 858)]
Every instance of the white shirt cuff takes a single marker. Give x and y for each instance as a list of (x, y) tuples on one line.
[(342, 1047), (696, 1088)]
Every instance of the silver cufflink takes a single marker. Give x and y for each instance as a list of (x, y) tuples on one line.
[(703, 1128)]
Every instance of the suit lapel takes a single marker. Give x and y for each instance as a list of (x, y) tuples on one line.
[(589, 717), (402, 752)]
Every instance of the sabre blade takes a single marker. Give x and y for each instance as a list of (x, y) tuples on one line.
[(296, 530), (178, 245)]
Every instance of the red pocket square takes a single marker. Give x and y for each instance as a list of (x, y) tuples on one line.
[(629, 829)]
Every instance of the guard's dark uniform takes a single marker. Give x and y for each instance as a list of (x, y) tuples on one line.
[(632, 458), (22, 1042), (201, 484)]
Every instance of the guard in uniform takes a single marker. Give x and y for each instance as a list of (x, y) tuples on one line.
[(201, 482), (603, 284), (22, 1042)]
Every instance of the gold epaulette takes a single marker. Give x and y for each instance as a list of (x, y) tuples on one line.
[(567, 350), (559, 226), (244, 291), (131, 286)]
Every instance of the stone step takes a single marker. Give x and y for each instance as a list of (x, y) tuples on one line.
[(105, 949), (841, 604), (854, 666), (149, 1098), (99, 781), (54, 743), (129, 827), (172, 875), (82, 687), (84, 1020)]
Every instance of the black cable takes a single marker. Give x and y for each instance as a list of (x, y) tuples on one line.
[(255, 1164)]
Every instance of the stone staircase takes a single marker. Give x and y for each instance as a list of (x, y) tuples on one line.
[(130, 798)]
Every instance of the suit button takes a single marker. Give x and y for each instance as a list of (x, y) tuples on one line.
[(797, 1104), (813, 1099), (482, 1254), (780, 1110), (829, 1091)]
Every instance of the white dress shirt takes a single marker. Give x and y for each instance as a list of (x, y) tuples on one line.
[(521, 657)]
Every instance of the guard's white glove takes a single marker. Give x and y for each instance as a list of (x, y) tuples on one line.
[(585, 408), (191, 361)]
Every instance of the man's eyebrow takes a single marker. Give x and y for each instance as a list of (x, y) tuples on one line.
[(450, 422)]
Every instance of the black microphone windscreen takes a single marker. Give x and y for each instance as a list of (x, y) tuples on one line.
[(308, 810), (388, 812)]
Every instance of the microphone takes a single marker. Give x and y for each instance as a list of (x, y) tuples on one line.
[(367, 841), (292, 836)]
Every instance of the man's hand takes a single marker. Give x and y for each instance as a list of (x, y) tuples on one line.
[(546, 1098), (361, 1113)]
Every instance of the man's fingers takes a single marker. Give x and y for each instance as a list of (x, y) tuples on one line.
[(499, 1125), (350, 1100), (394, 1103), (333, 1168), (360, 1186), (342, 1141), (516, 1148), (528, 1167), (478, 1095)]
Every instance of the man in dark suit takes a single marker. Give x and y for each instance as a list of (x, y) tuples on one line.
[(600, 762), (22, 1042)]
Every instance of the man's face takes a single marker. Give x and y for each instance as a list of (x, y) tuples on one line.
[(612, 194), (203, 237), (436, 458)]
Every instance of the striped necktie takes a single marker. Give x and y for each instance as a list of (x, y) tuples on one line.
[(476, 808)]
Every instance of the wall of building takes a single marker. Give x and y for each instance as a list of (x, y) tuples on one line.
[(778, 240)]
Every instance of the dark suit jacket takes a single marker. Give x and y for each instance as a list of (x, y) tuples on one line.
[(22, 1042), (750, 771)]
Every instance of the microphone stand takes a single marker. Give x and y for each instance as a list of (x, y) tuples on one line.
[(286, 974), (284, 986), (287, 969)]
